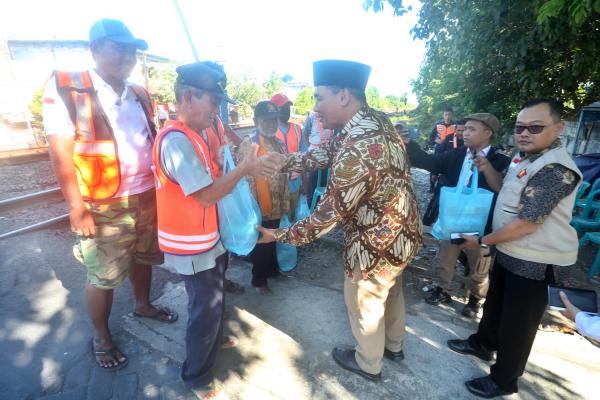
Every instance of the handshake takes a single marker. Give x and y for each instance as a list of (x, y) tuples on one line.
[(253, 165)]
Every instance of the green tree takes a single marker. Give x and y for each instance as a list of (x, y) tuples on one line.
[(373, 98), (246, 92), (485, 55), (162, 80), (304, 101), (272, 85), (393, 103)]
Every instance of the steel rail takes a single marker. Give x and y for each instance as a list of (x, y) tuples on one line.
[(21, 201), (39, 225)]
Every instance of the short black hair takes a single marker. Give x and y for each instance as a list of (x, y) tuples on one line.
[(448, 109), (556, 106)]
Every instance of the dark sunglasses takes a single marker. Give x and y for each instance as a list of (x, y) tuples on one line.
[(533, 129)]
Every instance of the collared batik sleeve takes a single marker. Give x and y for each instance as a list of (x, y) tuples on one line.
[(311, 161), (350, 179)]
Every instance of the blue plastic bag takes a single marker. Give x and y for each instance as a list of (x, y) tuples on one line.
[(238, 214), (302, 210), (287, 254), (463, 209), (294, 184)]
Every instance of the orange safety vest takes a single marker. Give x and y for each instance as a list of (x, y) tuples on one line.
[(95, 151), (444, 131), (292, 139), (263, 190), (216, 138), (185, 227)]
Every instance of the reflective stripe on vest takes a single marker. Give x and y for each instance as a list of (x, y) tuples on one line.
[(444, 131), (95, 151), (185, 227), (197, 243)]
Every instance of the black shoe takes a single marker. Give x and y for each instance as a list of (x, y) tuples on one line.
[(393, 355), (464, 347), (485, 387), (472, 308), (346, 359), (232, 287), (438, 296)]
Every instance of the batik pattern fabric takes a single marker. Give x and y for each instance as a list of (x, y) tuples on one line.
[(278, 183), (369, 193)]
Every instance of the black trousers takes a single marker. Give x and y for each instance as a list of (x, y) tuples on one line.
[(264, 258), (513, 309), (204, 330)]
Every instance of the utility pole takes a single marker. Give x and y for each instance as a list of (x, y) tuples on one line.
[(186, 31)]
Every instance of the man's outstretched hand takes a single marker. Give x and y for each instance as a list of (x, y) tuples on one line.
[(265, 166), (266, 235)]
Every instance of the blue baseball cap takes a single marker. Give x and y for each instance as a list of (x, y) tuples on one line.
[(115, 31)]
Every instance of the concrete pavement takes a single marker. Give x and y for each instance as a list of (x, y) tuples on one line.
[(285, 339)]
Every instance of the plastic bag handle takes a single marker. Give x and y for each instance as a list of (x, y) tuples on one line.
[(475, 178), (228, 163), (464, 172)]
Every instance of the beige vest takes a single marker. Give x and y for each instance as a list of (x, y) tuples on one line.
[(555, 241)]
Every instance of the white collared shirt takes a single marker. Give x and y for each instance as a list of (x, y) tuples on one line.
[(469, 156), (129, 125)]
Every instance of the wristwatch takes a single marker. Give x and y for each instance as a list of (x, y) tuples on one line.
[(479, 240)]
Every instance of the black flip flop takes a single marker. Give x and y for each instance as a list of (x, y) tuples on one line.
[(112, 352), (173, 316)]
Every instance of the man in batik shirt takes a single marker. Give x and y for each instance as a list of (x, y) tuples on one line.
[(371, 195)]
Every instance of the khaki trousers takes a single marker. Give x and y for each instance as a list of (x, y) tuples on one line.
[(377, 318), (479, 263)]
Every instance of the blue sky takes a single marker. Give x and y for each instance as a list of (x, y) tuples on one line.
[(257, 36)]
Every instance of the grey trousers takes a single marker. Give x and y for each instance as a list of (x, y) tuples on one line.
[(204, 330), (479, 263)]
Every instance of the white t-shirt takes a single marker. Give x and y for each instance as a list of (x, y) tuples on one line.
[(128, 122)]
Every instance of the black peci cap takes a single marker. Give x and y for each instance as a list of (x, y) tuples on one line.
[(206, 75), (345, 74), (266, 109)]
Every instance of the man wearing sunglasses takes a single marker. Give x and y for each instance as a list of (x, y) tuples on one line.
[(535, 243)]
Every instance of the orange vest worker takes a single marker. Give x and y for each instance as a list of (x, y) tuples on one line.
[(185, 227), (95, 152), (444, 131), (293, 137)]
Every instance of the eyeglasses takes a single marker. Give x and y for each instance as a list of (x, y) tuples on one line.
[(533, 129)]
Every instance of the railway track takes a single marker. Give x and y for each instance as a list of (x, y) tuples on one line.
[(10, 209), (22, 156), (42, 208)]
